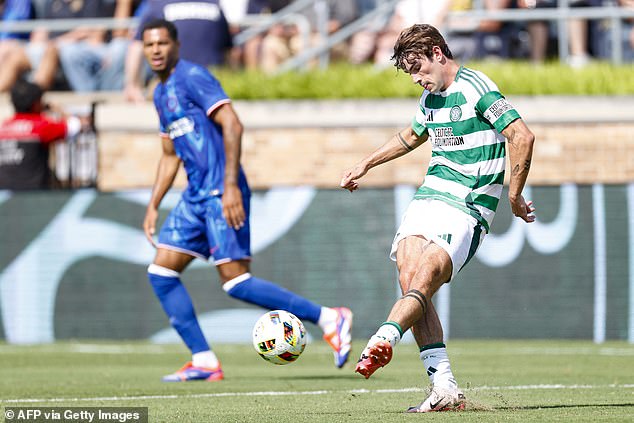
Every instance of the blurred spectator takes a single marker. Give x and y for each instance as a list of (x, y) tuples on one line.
[(628, 32), (604, 36), (25, 139), (469, 37), (236, 11), (339, 14), (406, 14), (460, 32), (577, 33), (280, 42), (37, 62), (203, 32), (363, 43), (12, 11), (91, 58), (497, 38), (284, 41)]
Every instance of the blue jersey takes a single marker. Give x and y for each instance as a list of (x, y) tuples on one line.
[(184, 103), (16, 10)]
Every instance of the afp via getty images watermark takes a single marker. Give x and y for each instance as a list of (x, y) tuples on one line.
[(76, 414)]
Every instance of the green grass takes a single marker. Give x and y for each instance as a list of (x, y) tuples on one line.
[(341, 81), (517, 381)]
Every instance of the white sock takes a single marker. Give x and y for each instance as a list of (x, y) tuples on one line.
[(206, 359), (387, 332), (436, 362), (328, 320)]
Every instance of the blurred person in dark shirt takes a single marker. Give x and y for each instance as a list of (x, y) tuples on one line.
[(203, 31)]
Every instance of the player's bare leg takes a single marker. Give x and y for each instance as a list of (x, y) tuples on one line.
[(429, 336), (423, 268), (171, 259), (445, 395)]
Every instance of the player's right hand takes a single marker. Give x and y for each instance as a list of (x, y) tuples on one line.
[(350, 176), (149, 224), (523, 209)]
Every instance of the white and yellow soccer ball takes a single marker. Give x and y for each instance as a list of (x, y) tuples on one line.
[(279, 337)]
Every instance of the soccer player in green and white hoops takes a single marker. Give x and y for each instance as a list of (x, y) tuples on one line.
[(466, 119)]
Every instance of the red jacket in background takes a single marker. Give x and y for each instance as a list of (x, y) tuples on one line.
[(24, 142)]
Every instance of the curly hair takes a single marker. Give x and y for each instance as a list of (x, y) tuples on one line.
[(417, 41)]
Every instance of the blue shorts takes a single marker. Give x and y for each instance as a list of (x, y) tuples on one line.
[(200, 230)]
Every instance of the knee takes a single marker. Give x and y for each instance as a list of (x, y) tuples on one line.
[(68, 53), (232, 270), (405, 278), (424, 280), (236, 282), (162, 278)]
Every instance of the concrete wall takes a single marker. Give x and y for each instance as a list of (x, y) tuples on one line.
[(579, 139)]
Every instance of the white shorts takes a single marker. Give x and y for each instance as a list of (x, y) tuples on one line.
[(458, 233)]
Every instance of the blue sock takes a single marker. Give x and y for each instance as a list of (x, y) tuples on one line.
[(271, 296), (180, 310)]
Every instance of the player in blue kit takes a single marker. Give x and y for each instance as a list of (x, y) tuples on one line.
[(200, 129)]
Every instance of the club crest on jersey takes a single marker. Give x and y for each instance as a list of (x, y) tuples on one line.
[(455, 113), (172, 103)]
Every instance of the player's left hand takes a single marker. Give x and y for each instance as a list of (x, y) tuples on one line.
[(523, 209), (232, 208)]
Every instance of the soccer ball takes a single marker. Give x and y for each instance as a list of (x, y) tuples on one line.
[(279, 337)]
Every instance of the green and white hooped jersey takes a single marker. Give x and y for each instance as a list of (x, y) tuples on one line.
[(467, 164)]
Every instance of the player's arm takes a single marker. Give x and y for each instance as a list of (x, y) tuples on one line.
[(167, 170), (400, 144), (520, 142), (133, 90), (232, 129)]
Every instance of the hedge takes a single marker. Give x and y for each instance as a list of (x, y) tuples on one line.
[(347, 81)]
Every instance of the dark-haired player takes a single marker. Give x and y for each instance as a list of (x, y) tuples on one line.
[(201, 131)]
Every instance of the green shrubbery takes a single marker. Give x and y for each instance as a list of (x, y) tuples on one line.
[(347, 81)]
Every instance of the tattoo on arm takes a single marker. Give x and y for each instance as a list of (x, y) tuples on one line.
[(515, 170), (527, 166), (403, 142)]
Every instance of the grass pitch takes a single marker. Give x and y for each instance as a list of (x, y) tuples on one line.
[(516, 381)]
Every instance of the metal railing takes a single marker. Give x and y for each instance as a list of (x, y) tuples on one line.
[(256, 25), (288, 14), (561, 15), (299, 61), (68, 24)]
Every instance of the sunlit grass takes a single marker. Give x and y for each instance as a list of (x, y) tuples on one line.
[(510, 381)]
